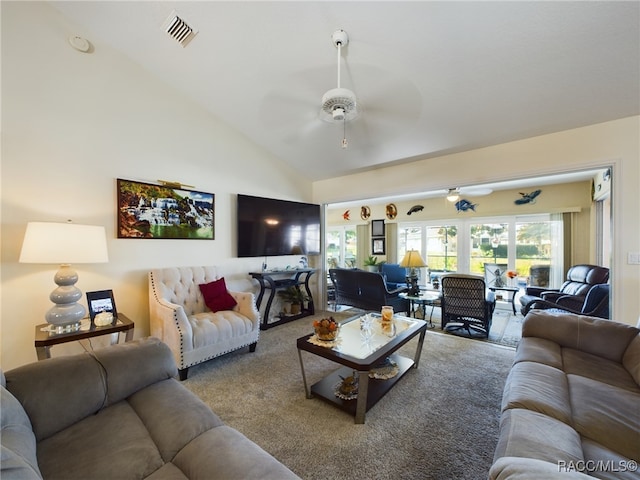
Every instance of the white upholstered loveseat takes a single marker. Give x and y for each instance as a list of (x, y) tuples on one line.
[(182, 320)]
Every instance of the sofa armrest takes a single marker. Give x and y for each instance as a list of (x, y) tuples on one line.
[(247, 306), (397, 291), (570, 303), (153, 362), (538, 291), (601, 337)]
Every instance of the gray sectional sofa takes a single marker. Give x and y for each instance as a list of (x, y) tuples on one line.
[(118, 413), (571, 403)]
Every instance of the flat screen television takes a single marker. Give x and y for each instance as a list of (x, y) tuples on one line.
[(270, 227)]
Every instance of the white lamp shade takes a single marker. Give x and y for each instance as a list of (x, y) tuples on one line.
[(64, 243)]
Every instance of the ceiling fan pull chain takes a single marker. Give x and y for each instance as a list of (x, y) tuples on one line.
[(344, 133)]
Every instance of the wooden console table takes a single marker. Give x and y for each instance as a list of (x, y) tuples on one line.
[(298, 278), (46, 339)]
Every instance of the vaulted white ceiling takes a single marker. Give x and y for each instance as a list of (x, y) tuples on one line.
[(431, 77)]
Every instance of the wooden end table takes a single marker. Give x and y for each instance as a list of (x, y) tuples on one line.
[(45, 339)]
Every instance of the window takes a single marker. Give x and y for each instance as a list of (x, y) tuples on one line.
[(438, 244), (465, 246), (341, 247)]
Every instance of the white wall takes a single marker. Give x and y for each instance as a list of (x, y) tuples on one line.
[(614, 143), (71, 124)]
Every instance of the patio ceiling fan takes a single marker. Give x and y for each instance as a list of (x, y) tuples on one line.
[(454, 194)]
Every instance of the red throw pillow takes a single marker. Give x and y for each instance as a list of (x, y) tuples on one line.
[(216, 296)]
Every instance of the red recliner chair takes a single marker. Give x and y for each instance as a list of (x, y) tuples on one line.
[(580, 279)]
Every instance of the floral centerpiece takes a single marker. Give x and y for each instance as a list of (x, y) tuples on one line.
[(326, 329), (512, 274)]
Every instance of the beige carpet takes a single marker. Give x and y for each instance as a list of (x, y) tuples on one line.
[(439, 422)]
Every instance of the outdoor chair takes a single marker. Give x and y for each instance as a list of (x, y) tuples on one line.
[(596, 303), (466, 303)]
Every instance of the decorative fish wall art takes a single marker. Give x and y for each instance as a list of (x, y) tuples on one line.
[(415, 209), (464, 205), (528, 197)]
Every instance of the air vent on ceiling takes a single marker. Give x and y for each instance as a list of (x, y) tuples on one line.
[(178, 29)]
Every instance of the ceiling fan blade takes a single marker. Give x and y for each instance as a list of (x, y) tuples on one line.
[(475, 191)]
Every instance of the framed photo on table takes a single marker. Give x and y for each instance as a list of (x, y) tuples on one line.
[(495, 275), (377, 246), (101, 301)]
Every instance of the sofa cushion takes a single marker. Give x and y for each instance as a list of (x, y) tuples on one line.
[(216, 295), (210, 328), (516, 468), (58, 392), (607, 464), (540, 350), (168, 472), (597, 368), (524, 433), (631, 359), (156, 405), (114, 443), (597, 336), (229, 454), (18, 453), (539, 388), (606, 414)]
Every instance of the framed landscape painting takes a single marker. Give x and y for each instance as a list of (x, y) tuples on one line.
[(146, 210)]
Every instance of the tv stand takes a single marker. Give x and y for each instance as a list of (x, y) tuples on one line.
[(298, 278)]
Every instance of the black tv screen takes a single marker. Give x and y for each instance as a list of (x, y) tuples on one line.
[(271, 227)]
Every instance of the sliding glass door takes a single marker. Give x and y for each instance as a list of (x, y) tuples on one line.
[(530, 245), (437, 244), (342, 247)]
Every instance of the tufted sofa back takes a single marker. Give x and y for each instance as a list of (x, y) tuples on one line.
[(180, 285)]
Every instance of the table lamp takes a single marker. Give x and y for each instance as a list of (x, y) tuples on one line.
[(413, 260), (64, 243)]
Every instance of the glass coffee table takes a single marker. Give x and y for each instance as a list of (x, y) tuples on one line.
[(363, 358)]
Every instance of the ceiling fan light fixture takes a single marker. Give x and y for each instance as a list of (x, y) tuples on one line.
[(453, 195), (339, 104)]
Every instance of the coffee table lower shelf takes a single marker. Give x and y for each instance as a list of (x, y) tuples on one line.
[(377, 388)]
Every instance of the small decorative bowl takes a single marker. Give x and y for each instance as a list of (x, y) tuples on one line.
[(326, 336), (326, 329)]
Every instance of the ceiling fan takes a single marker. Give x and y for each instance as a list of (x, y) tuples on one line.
[(303, 111), (339, 104), (454, 194)]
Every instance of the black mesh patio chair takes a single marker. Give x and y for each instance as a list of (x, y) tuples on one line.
[(467, 304)]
